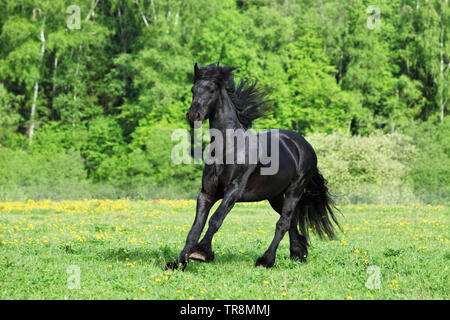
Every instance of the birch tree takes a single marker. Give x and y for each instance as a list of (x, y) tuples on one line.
[(36, 85)]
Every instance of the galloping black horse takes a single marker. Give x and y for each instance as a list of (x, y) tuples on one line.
[(297, 191)]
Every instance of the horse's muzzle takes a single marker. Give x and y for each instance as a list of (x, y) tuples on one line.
[(194, 115)]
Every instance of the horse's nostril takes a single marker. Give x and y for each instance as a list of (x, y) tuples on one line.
[(197, 116)]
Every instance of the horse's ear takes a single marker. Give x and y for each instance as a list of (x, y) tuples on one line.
[(227, 70), (195, 68)]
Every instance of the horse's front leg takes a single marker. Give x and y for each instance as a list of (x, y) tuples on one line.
[(203, 251), (204, 204)]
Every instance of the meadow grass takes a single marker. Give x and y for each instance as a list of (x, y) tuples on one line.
[(120, 248)]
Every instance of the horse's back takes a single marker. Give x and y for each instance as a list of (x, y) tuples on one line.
[(294, 156)]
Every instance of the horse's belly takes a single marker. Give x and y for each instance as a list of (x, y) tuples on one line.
[(261, 187)]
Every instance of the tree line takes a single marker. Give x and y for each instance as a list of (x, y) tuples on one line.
[(108, 77)]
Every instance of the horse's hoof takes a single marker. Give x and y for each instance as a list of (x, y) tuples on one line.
[(265, 262), (175, 265), (298, 258), (201, 254), (171, 266), (197, 256)]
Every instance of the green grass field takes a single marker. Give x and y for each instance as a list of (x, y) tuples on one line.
[(117, 250)]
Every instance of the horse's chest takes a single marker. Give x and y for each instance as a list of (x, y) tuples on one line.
[(224, 180), (229, 174)]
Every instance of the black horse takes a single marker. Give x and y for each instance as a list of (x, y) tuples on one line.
[(297, 191)]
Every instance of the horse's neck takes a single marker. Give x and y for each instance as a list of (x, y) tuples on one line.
[(225, 116)]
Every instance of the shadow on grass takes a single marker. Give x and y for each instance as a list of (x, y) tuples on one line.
[(157, 256), (160, 256)]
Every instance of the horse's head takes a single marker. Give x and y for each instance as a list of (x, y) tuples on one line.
[(206, 91)]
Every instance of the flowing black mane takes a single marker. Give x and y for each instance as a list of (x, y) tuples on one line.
[(249, 101)]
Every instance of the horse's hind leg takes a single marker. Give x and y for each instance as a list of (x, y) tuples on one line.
[(292, 197), (298, 243)]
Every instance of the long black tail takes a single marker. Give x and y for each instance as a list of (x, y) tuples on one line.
[(315, 209)]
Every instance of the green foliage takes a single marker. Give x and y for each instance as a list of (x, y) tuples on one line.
[(431, 173), (58, 137), (9, 118), (42, 175), (104, 140), (369, 169), (116, 88), (150, 161), (314, 102)]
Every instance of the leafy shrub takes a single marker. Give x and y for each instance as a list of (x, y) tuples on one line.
[(150, 161), (366, 168), (93, 161), (24, 175), (9, 118), (431, 172), (55, 137), (104, 142)]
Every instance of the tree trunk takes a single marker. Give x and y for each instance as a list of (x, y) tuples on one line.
[(169, 14), (54, 72), (75, 86), (176, 17), (36, 89), (141, 12), (442, 100), (91, 13), (153, 8), (80, 50)]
